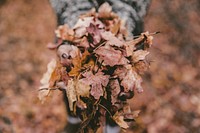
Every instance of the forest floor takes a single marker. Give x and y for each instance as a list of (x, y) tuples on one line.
[(171, 99)]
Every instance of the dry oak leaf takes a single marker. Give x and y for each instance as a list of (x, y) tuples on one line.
[(97, 82), (110, 56), (112, 39), (139, 55), (65, 33), (119, 119)]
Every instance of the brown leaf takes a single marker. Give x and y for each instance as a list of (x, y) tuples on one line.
[(136, 113), (119, 119), (96, 81), (144, 40), (82, 89), (81, 104), (47, 76), (80, 26), (65, 33), (71, 93), (115, 90), (111, 39), (78, 62), (84, 42), (115, 27), (110, 56), (128, 81), (105, 11), (43, 94), (56, 75), (139, 55), (94, 31)]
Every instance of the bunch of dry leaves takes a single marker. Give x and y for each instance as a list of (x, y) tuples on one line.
[(99, 67)]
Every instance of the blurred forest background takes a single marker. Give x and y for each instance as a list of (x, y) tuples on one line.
[(170, 103)]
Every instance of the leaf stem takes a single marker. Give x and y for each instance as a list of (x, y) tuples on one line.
[(105, 109)]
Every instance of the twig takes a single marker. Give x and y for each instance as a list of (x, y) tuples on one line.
[(154, 33), (105, 109), (99, 46)]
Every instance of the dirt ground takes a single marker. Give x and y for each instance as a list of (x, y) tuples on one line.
[(170, 103)]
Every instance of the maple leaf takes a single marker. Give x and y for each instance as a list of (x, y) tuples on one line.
[(65, 33), (97, 82), (130, 80), (119, 119), (111, 39), (139, 55), (110, 56)]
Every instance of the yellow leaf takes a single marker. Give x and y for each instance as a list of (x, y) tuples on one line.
[(56, 75), (77, 62)]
